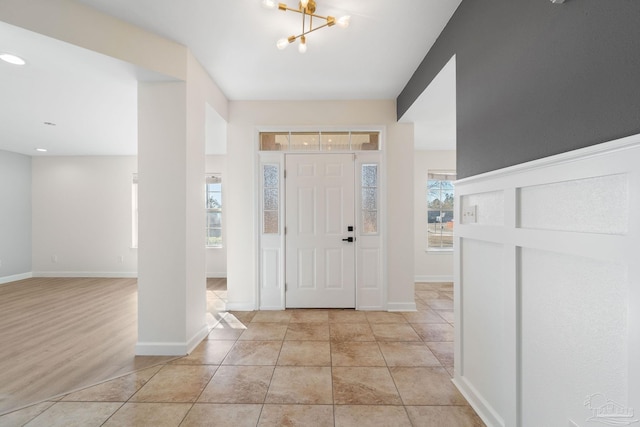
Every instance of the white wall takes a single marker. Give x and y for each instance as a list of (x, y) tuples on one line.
[(15, 216), (70, 194), (547, 293), (399, 245), (88, 191), (82, 216), (245, 120), (432, 266)]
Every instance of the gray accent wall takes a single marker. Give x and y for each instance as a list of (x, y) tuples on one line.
[(536, 79), (15, 214)]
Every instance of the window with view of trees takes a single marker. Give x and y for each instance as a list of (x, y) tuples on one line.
[(440, 191), (214, 211)]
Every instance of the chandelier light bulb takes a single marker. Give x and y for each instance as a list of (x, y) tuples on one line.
[(343, 21), (282, 43), (302, 47), (304, 3), (269, 4)]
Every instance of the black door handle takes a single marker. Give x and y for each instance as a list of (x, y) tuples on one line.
[(349, 239)]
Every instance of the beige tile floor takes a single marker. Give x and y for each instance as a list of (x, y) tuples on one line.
[(288, 368)]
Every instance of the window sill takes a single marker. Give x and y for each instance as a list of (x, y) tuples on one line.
[(214, 247), (443, 251)]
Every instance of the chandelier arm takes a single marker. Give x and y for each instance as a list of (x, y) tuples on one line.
[(314, 29), (304, 19), (310, 31), (283, 7), (326, 18)]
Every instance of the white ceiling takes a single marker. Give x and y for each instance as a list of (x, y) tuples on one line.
[(92, 98)]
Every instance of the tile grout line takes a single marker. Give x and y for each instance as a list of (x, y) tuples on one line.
[(264, 401), (113, 413)]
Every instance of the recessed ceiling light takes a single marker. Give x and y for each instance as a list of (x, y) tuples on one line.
[(12, 59), (41, 150)]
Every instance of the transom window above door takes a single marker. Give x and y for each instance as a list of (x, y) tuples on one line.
[(320, 141)]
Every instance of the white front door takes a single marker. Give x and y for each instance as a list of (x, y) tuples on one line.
[(320, 219)]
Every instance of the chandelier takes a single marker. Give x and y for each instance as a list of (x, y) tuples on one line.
[(307, 8)]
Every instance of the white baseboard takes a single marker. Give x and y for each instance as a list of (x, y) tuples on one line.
[(172, 348), (197, 338), (99, 274), (370, 308), (433, 279), (161, 349), (214, 275), (271, 308), (241, 306), (401, 306), (480, 405), (15, 278)]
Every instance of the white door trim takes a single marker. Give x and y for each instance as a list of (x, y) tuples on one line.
[(371, 248)]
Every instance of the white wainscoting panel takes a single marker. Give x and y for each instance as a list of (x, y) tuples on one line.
[(483, 282), (574, 333), (547, 294), (591, 205)]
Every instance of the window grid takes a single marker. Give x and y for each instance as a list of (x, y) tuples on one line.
[(214, 211), (271, 199), (369, 198), (440, 219), (320, 141)]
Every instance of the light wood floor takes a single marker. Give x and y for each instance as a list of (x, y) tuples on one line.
[(59, 335)]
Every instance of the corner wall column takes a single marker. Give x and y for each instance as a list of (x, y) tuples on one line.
[(171, 258)]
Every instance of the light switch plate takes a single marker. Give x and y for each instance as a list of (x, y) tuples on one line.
[(469, 214)]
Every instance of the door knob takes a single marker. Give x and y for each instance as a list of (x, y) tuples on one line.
[(349, 239)]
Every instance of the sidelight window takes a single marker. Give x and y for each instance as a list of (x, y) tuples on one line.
[(270, 199), (369, 198)]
